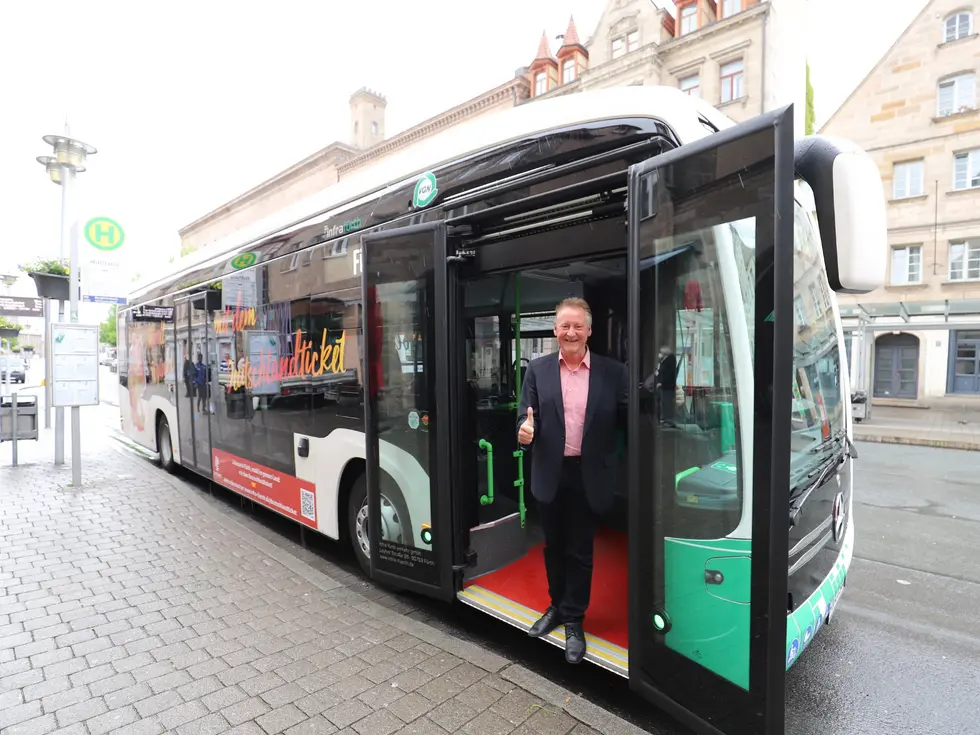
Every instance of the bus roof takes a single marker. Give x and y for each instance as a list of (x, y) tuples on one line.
[(679, 111)]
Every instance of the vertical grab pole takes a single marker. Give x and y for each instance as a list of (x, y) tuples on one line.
[(519, 454)]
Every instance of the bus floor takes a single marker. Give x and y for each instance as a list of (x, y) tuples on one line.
[(518, 594)]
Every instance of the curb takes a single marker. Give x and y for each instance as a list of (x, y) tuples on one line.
[(966, 446), (577, 707)]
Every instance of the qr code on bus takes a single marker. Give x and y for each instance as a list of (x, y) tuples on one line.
[(307, 504)]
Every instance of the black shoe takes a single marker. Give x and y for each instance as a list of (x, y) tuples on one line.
[(574, 643), (545, 624)]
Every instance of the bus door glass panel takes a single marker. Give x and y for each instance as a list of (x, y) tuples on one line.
[(193, 384), (707, 586), (184, 367), (406, 328)]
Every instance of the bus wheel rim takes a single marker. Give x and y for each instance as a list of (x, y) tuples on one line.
[(165, 449), (391, 529)]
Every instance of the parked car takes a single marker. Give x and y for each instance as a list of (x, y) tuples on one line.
[(18, 368)]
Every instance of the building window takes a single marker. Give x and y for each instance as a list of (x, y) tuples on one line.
[(964, 260), (374, 128), (540, 83), (732, 81), (957, 26), (691, 85), (624, 44), (730, 8), (816, 298), (907, 180), (957, 94), (689, 19), (568, 71), (966, 170), (800, 312), (906, 265)]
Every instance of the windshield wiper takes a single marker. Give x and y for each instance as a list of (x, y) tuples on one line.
[(798, 496)]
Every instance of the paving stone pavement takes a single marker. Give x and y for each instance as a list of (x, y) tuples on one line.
[(135, 605)]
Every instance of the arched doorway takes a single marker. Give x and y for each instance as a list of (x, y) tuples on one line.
[(896, 366)]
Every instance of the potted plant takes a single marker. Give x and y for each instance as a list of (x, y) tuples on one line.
[(8, 330), (50, 278)]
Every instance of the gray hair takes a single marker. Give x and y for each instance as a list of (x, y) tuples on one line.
[(574, 302)]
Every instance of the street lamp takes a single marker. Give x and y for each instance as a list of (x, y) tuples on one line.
[(62, 167)]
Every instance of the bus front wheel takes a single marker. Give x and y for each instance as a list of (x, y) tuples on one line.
[(394, 520), (165, 445)]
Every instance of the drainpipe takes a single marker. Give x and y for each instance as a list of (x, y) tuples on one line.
[(765, 53)]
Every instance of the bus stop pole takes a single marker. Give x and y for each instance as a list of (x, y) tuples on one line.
[(76, 418), (59, 412), (13, 428), (47, 363)]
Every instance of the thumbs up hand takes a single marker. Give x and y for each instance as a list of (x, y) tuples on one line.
[(526, 435)]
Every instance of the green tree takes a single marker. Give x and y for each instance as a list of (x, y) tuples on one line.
[(107, 329), (810, 113)]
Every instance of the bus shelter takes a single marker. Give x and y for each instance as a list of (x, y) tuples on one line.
[(862, 321)]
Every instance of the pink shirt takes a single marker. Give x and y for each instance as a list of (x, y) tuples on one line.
[(575, 396)]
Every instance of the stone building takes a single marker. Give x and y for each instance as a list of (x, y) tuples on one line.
[(738, 53), (916, 112)]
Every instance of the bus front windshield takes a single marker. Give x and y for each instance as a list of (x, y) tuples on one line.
[(817, 407)]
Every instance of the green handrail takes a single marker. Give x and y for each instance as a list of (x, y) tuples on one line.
[(519, 454), (488, 448), (519, 484)]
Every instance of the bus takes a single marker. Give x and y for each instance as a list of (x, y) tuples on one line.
[(355, 361)]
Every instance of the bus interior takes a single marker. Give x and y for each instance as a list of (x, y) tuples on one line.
[(508, 297)]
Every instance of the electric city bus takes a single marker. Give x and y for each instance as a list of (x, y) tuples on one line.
[(354, 363)]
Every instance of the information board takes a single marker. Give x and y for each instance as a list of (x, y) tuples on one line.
[(263, 351), (75, 365)]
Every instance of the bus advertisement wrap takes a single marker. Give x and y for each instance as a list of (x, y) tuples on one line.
[(278, 491)]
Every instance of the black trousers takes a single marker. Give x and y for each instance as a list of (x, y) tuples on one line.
[(569, 532), (667, 405)]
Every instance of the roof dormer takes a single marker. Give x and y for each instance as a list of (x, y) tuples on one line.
[(543, 71), (573, 57)]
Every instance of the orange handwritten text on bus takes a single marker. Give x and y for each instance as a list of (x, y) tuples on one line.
[(306, 361), (234, 320)]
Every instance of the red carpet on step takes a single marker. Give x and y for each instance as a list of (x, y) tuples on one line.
[(525, 582)]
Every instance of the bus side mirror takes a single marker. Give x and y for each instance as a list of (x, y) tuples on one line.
[(850, 205)]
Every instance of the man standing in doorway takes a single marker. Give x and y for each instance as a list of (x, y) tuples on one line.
[(572, 404)]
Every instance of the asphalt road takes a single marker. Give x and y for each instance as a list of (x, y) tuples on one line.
[(903, 652)]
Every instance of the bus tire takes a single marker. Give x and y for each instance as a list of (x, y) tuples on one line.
[(394, 511), (165, 445)]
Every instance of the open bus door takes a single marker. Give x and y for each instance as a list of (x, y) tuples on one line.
[(194, 341), (409, 300), (711, 248)]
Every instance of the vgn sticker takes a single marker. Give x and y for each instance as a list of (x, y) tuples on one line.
[(425, 190)]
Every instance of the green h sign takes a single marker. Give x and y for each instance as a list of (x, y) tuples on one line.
[(104, 234)]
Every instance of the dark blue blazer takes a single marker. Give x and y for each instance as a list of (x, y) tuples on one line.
[(605, 416)]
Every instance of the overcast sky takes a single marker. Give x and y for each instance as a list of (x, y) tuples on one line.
[(192, 103)]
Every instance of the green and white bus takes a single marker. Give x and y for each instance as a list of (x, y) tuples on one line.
[(354, 363)]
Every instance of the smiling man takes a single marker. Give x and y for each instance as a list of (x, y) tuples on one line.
[(572, 404)]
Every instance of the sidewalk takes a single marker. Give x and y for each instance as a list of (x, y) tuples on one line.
[(137, 605), (949, 426)]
